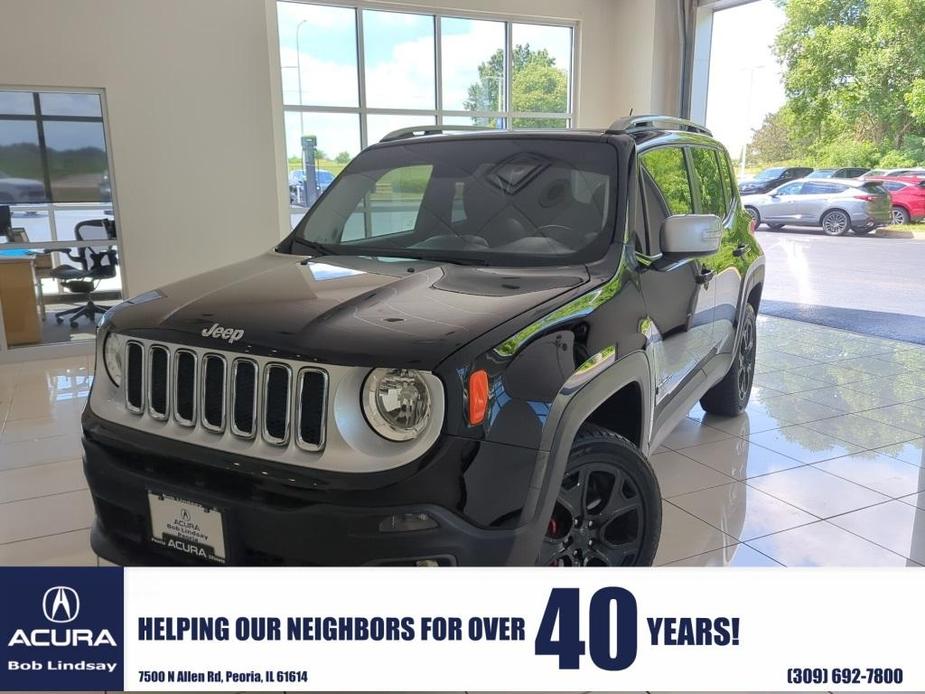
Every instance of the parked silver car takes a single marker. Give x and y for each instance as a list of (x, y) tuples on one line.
[(835, 204)]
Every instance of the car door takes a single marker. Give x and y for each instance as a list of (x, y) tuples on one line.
[(782, 203), (678, 301), (815, 199), (712, 196)]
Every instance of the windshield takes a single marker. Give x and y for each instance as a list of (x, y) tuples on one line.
[(822, 173), (768, 174), (491, 201)]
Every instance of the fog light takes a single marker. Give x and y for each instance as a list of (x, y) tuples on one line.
[(427, 562), (407, 522)]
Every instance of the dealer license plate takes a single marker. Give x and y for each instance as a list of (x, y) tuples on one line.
[(187, 527)]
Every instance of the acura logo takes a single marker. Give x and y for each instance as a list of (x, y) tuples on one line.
[(61, 604)]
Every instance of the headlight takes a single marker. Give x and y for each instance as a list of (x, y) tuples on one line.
[(396, 403), (113, 349)]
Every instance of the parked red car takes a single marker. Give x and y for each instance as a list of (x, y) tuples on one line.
[(908, 194)]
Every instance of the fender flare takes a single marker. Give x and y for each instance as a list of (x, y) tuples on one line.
[(569, 410), (753, 277)]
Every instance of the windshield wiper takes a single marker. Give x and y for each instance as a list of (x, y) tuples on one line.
[(319, 248)]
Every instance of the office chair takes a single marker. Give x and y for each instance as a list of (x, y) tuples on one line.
[(95, 266), (6, 221)]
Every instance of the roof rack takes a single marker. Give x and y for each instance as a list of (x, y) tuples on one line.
[(421, 130), (651, 121)]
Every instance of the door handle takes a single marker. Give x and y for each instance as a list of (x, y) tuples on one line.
[(706, 274), (740, 250)]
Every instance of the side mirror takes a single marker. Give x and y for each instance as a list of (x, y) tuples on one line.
[(686, 236)]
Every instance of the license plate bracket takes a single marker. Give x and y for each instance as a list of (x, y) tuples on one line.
[(187, 527)]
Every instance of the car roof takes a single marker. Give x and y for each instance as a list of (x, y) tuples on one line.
[(899, 179), (852, 182), (645, 138)]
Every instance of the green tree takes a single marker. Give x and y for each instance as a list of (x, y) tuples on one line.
[(855, 68), (343, 158), (776, 140), (538, 85)]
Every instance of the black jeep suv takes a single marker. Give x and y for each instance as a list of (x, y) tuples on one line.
[(462, 354)]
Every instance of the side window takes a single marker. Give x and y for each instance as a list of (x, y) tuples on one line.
[(823, 188), (667, 168), (791, 189), (392, 206), (729, 181), (706, 169)]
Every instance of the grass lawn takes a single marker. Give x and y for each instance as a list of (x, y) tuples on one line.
[(920, 227)]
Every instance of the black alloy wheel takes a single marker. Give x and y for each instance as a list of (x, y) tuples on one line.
[(608, 509)]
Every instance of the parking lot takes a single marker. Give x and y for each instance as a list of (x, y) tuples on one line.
[(870, 284)]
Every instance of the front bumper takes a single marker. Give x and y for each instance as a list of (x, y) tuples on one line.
[(318, 520)]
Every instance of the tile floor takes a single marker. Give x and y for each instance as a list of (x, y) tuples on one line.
[(826, 467)]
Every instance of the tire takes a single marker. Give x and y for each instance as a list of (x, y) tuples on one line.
[(775, 227), (835, 222), (730, 396), (754, 214), (900, 215), (863, 231), (618, 520)]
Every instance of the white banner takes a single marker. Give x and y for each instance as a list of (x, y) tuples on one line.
[(523, 629)]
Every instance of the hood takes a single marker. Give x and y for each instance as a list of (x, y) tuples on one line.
[(342, 309)]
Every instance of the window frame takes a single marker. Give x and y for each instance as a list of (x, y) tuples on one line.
[(51, 208), (653, 242), (437, 114)]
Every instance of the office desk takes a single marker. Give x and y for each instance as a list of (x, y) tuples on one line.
[(18, 304)]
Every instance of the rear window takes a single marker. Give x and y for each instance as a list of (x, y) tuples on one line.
[(893, 186), (875, 188)]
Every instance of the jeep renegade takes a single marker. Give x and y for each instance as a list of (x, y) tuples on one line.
[(462, 355)]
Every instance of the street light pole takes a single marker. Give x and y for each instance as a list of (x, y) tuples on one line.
[(298, 58)]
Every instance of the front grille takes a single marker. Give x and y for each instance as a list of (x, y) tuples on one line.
[(199, 390), (159, 382), (135, 377), (277, 396), (213, 392)]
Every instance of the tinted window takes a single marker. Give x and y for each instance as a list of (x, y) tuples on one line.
[(823, 188), (875, 188), (893, 186), (728, 179), (706, 169), (61, 143), (667, 167), (769, 174), (392, 206), (789, 189), (501, 199)]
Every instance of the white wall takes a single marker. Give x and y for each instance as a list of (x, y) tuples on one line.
[(195, 112), (188, 93)]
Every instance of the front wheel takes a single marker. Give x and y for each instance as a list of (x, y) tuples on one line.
[(835, 222), (776, 227), (754, 214), (900, 215), (608, 511), (730, 396)]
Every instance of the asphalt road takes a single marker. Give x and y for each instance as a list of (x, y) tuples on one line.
[(870, 284)]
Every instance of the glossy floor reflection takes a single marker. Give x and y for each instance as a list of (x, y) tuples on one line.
[(825, 468)]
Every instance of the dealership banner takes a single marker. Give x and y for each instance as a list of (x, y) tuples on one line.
[(328, 629)]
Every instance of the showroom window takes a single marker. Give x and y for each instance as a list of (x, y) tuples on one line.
[(351, 75), (56, 211)]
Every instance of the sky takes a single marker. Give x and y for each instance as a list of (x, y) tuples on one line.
[(745, 78), (399, 52)]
